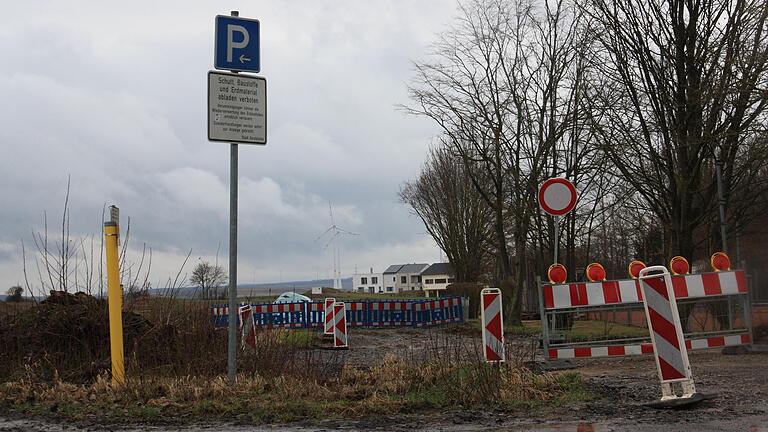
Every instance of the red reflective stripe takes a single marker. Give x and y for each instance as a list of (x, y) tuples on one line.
[(745, 339), (611, 292), (668, 372), (494, 326), (582, 352), (741, 281), (646, 348), (549, 299), (657, 284), (616, 350), (680, 287), (491, 354), (578, 293), (663, 328), (688, 344), (552, 353), (716, 341), (488, 299), (639, 290), (711, 283)]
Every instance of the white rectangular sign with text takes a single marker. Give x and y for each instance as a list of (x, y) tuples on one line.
[(237, 108)]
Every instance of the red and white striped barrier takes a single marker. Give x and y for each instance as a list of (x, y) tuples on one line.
[(493, 325), (340, 340), (669, 346), (644, 348), (328, 328), (581, 294), (248, 326)]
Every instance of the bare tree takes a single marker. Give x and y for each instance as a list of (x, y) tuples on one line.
[(685, 83), (209, 278), (498, 83), (453, 212), (14, 294)]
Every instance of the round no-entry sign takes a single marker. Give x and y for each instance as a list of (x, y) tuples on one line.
[(557, 196)]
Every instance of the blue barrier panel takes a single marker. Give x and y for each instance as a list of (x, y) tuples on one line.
[(315, 315), (287, 315), (439, 311), (220, 315), (365, 313), (356, 313), (391, 313)]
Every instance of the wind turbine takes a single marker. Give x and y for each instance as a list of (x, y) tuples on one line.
[(334, 232)]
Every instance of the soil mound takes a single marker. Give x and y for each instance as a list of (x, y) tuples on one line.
[(65, 335)]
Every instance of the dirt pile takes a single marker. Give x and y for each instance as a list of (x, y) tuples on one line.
[(65, 335)]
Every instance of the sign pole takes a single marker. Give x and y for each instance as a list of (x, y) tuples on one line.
[(232, 337), (557, 236), (237, 114)]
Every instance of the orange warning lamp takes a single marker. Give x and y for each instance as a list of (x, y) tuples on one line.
[(634, 268), (557, 274), (679, 265), (720, 262), (595, 272)]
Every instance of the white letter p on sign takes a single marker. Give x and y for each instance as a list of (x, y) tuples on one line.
[(231, 44)]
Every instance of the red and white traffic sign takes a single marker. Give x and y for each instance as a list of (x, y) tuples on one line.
[(557, 196)]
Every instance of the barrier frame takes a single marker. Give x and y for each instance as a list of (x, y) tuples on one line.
[(724, 286)]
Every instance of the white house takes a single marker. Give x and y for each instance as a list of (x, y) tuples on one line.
[(436, 278), (368, 282), (403, 277)]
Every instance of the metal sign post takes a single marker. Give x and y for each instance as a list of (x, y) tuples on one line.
[(237, 113), (232, 337)]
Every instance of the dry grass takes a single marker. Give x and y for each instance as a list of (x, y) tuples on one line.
[(175, 362), (392, 387)]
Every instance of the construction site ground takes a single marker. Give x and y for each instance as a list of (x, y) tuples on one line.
[(621, 386)]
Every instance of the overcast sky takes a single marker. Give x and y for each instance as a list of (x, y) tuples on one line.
[(114, 94)]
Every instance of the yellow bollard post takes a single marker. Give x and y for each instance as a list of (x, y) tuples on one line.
[(115, 300)]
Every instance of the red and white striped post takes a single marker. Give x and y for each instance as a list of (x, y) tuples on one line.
[(666, 333), (493, 325), (340, 326), (328, 316), (247, 326)]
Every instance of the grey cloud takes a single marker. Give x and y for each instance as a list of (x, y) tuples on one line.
[(115, 97)]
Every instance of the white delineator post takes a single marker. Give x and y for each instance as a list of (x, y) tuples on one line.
[(340, 326), (666, 332), (493, 325), (328, 316)]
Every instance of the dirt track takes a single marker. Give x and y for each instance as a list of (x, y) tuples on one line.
[(624, 384)]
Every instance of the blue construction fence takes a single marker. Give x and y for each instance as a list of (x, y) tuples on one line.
[(361, 313)]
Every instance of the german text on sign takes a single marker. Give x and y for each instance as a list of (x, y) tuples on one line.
[(237, 108)]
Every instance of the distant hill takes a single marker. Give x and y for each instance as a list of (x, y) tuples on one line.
[(274, 288)]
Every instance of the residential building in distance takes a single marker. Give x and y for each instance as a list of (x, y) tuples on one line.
[(436, 278), (403, 277), (368, 282), (390, 278)]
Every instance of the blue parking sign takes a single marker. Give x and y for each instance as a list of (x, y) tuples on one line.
[(237, 44)]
